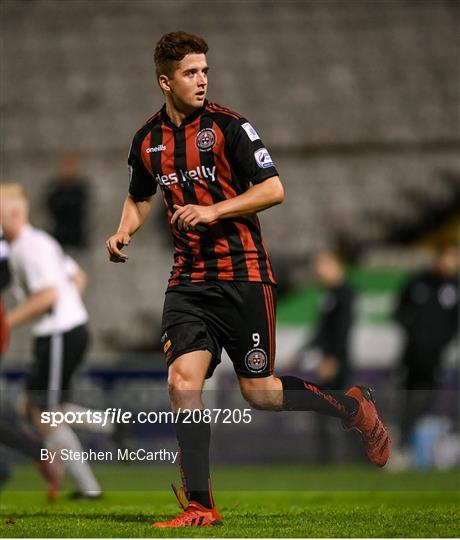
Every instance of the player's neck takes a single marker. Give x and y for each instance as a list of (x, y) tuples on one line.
[(178, 112), (15, 231)]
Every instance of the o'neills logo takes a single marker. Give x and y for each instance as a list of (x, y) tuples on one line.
[(158, 148)]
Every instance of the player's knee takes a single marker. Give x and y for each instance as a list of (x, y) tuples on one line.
[(254, 393), (184, 392), (178, 382), (254, 398), (262, 393)]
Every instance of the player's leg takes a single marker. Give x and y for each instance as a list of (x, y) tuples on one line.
[(5, 472), (287, 393), (253, 356), (21, 440), (191, 352), (356, 407), (186, 377), (56, 358), (253, 348)]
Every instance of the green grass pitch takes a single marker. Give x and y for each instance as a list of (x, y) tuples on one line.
[(289, 502)]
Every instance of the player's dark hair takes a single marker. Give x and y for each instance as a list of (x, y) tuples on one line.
[(173, 47)]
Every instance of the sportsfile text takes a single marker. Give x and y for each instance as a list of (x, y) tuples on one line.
[(113, 415), (108, 416)]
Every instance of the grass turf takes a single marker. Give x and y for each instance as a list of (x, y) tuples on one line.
[(353, 502)]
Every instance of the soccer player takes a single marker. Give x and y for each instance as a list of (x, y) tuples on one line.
[(49, 285), (215, 175), (12, 435)]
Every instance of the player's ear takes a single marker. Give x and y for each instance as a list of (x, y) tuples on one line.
[(163, 81)]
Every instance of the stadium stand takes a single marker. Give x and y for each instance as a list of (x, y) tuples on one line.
[(358, 102)]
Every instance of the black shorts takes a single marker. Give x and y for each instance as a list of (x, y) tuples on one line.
[(56, 358), (211, 315)]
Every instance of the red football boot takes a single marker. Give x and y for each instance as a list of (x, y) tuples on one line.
[(367, 423), (193, 515), (52, 476)]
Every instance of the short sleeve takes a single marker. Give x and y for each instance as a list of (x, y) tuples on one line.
[(71, 266), (141, 182), (247, 152), (40, 270)]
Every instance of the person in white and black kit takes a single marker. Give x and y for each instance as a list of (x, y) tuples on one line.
[(48, 285), (5, 279), (428, 312)]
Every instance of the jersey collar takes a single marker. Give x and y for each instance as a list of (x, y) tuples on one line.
[(187, 120)]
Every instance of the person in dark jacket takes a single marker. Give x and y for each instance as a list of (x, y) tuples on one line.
[(428, 312), (332, 334), (331, 337), (67, 201)]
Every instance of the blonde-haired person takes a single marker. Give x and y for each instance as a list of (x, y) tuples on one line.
[(48, 285)]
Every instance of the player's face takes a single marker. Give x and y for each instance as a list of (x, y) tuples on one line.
[(7, 217), (189, 84), (447, 262), (327, 269)]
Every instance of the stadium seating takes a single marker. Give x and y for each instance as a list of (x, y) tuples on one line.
[(358, 102)]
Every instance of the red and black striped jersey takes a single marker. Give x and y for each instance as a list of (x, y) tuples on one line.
[(214, 155)]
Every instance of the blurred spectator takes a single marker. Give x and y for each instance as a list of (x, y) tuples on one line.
[(335, 321), (331, 336), (67, 201), (428, 311)]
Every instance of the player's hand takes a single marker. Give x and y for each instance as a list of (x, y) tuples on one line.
[(115, 244), (191, 215)]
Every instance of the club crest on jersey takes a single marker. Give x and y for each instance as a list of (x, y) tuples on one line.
[(263, 158), (206, 139), (256, 360)]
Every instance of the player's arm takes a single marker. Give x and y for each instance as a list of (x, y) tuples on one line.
[(81, 280), (251, 161), (134, 213), (76, 274), (257, 198), (138, 203), (36, 304)]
